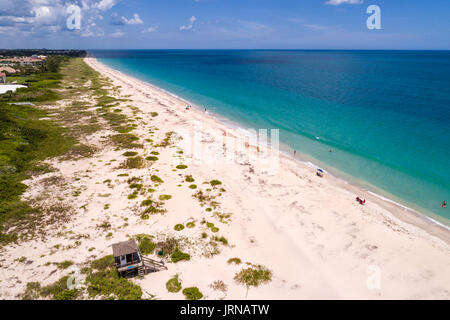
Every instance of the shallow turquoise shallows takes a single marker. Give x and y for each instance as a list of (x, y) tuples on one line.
[(385, 114)]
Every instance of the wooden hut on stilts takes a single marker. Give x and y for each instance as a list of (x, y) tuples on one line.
[(129, 260)]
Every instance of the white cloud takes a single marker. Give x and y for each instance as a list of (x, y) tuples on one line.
[(117, 34), (151, 29), (190, 25), (24, 17), (48, 15), (134, 20), (105, 5), (338, 2), (120, 21)]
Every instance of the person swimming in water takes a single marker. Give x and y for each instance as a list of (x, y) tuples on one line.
[(444, 204)]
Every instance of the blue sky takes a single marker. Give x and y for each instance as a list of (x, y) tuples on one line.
[(249, 24)]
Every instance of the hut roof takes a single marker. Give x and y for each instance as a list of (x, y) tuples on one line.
[(125, 247)]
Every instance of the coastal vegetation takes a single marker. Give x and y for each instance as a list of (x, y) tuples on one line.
[(25, 140), (218, 285), (73, 129), (174, 284), (190, 224), (234, 261), (192, 293), (133, 163), (146, 244), (103, 280), (57, 291), (178, 255), (253, 276), (178, 227)]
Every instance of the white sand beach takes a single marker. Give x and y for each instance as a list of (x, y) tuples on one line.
[(309, 231)]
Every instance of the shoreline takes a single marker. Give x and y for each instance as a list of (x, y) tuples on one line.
[(406, 214), (227, 217)]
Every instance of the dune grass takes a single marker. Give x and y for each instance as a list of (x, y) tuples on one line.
[(192, 293), (174, 284)]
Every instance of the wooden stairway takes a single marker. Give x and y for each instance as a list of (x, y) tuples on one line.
[(153, 264), (141, 270)]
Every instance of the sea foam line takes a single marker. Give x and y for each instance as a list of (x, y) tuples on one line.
[(410, 209)]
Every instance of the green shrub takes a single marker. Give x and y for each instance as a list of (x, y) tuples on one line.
[(215, 182), (193, 186), (145, 243), (190, 224), (123, 175), (157, 179), (32, 291), (189, 178), (130, 154), (181, 166), (59, 290), (221, 239), (134, 163), (165, 197), (178, 227), (234, 261), (253, 276), (104, 281), (137, 186), (126, 140), (192, 293), (146, 203), (173, 285), (178, 255), (155, 153), (155, 208), (212, 227), (151, 158), (65, 264)]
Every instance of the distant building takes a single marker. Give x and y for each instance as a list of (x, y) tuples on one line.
[(8, 69), (2, 77), (23, 61)]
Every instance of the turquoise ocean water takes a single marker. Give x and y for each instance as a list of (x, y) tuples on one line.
[(385, 114)]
